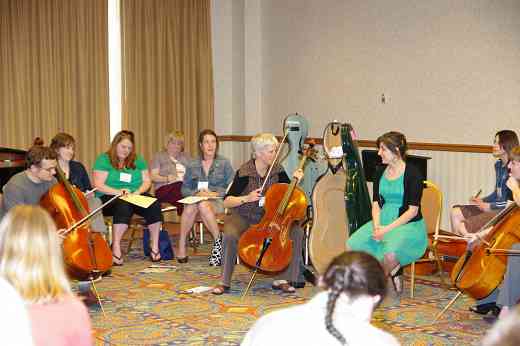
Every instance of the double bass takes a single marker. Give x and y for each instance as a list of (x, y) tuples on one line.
[(482, 267), (266, 246), (86, 253)]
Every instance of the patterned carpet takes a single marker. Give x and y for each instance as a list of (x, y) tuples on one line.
[(151, 308)]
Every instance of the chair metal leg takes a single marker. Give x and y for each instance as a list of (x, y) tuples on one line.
[(439, 266), (108, 236), (201, 232), (192, 239), (131, 240), (306, 247), (412, 281)]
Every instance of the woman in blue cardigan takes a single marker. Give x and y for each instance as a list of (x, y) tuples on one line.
[(396, 236)]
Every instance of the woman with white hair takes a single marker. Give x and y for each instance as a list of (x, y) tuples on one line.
[(245, 201), (32, 262)]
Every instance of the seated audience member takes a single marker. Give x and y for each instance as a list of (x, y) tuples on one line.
[(167, 170), (397, 233), (502, 299), (28, 186), (354, 284), (245, 202), (467, 219), (16, 328), (31, 261), (121, 171), (505, 332), (207, 176), (65, 145)]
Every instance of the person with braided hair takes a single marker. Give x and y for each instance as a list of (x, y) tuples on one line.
[(354, 284)]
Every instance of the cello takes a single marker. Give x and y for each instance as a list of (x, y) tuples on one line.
[(86, 253), (481, 269), (266, 246)]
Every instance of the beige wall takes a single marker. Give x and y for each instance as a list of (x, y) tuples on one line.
[(450, 70)]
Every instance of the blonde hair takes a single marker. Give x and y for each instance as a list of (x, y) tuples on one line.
[(261, 141), (175, 136), (514, 154), (30, 255)]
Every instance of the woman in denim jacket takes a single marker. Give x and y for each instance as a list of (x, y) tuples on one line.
[(207, 176)]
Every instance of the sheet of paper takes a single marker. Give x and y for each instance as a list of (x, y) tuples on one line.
[(139, 200), (158, 269), (196, 290), (195, 199)]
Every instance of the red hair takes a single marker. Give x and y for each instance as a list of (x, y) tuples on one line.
[(112, 151)]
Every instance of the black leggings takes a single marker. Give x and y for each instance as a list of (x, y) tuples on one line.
[(122, 211)]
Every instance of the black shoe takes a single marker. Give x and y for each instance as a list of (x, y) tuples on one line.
[(484, 309), (182, 259), (88, 298), (107, 273), (297, 284), (309, 277)]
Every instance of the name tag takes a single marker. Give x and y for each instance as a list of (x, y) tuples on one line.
[(261, 201), (125, 177), (203, 185)]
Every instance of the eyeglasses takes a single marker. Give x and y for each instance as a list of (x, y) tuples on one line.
[(49, 169)]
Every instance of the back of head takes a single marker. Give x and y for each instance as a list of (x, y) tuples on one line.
[(354, 274), (30, 254)]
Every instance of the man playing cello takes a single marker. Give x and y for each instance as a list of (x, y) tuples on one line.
[(29, 186)]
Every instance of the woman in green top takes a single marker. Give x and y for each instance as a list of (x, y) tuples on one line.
[(120, 171), (396, 236)]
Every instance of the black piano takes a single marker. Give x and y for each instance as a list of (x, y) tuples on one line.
[(12, 161)]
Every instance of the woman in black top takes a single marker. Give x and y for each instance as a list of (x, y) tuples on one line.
[(64, 144), (396, 236)]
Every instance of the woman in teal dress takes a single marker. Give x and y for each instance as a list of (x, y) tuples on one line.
[(396, 236)]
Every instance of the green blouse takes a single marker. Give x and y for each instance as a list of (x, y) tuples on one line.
[(126, 178)]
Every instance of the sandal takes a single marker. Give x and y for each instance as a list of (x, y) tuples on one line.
[(155, 256), (283, 286), (220, 289), (117, 260)]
